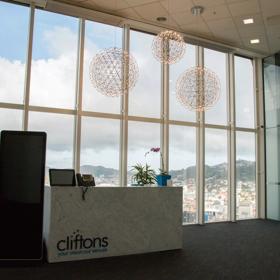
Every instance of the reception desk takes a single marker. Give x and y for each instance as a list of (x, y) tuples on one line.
[(111, 221)]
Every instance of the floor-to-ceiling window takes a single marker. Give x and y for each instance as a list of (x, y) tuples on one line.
[(145, 105), (216, 140), (53, 84), (245, 139), (182, 139), (13, 49), (100, 126), (91, 132)]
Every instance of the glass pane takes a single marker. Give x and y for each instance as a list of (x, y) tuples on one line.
[(272, 134), (182, 166), (244, 92), (13, 48), (10, 119), (141, 138), (144, 98), (216, 176), (99, 36), (60, 138), (177, 110), (272, 155), (271, 86), (245, 175), (100, 150), (216, 61), (53, 71)]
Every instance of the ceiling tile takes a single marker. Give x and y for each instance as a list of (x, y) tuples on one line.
[(273, 31), (222, 20), (111, 5), (225, 31), (221, 24), (207, 3), (274, 44), (88, 4), (199, 28), (229, 36), (270, 7), (128, 13), (76, 1), (133, 3), (262, 46), (273, 35), (252, 31), (177, 6), (186, 18), (233, 1), (215, 13), (258, 20), (151, 11), (244, 8)]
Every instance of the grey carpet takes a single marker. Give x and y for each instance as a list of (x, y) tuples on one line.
[(242, 250)]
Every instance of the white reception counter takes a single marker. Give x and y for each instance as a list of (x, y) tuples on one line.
[(111, 221)]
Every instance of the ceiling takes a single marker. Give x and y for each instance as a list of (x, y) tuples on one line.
[(222, 20)]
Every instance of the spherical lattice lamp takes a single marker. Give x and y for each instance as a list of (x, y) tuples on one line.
[(113, 72), (198, 88), (168, 47)]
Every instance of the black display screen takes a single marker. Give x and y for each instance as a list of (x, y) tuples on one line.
[(22, 171), (62, 177)]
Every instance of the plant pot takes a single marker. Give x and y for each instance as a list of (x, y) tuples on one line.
[(162, 180)]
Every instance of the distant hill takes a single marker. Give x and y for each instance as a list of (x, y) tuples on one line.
[(99, 171), (245, 171)]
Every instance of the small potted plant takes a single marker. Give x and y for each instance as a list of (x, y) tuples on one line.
[(163, 175), (143, 175)]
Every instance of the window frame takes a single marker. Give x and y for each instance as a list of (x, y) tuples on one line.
[(163, 120)]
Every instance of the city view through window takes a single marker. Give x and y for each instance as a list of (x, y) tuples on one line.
[(53, 99)]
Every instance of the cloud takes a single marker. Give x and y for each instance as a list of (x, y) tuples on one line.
[(60, 41), (11, 80), (53, 85), (53, 82)]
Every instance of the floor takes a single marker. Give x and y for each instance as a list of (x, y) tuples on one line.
[(242, 250)]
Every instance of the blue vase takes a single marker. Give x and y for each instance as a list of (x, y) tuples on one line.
[(162, 180)]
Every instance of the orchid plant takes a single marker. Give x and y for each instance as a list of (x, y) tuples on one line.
[(157, 150)]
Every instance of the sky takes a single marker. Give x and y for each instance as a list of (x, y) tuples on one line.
[(53, 79)]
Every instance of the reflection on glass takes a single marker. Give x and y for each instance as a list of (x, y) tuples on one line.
[(216, 61), (272, 87), (245, 175), (144, 98), (100, 150), (53, 71), (13, 48), (272, 134), (177, 110), (99, 36), (216, 176), (182, 166), (60, 138), (244, 92), (10, 119), (141, 138)]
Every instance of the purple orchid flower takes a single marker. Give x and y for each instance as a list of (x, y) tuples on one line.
[(155, 150)]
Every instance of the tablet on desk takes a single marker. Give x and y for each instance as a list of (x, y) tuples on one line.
[(62, 177)]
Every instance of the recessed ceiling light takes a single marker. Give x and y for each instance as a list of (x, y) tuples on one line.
[(254, 41), (161, 19), (248, 20)]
